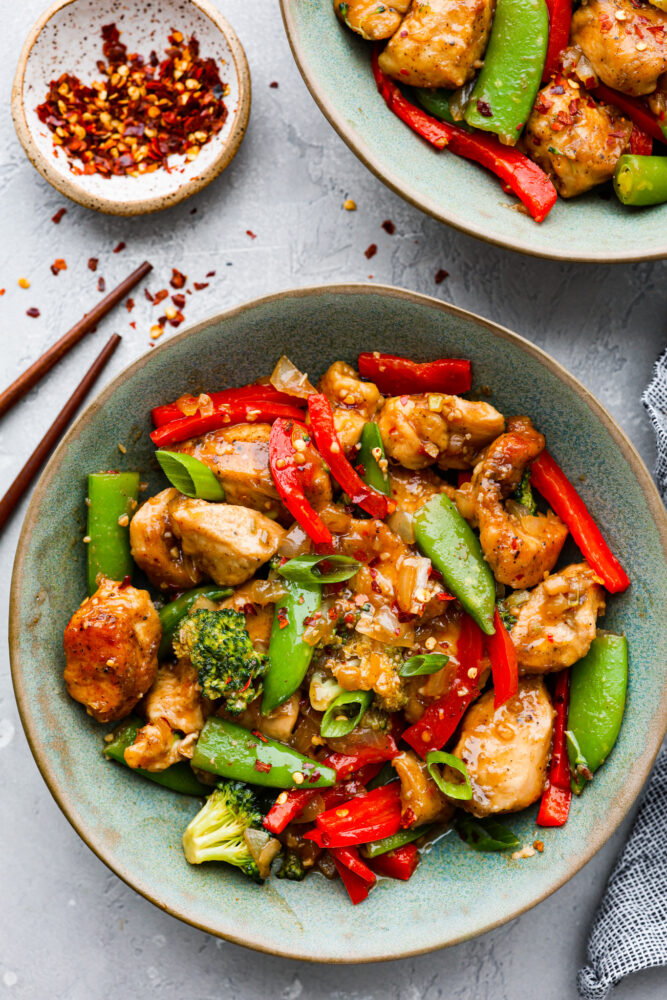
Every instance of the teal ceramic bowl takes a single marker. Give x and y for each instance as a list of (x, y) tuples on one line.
[(335, 65), (135, 827)]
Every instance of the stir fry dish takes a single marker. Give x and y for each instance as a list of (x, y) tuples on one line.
[(551, 100), (347, 621)]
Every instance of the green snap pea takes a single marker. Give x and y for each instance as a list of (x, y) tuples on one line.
[(485, 834), (178, 778), (641, 180), (289, 655), (378, 847), (336, 722), (507, 85), (598, 685), (454, 549), (112, 499), (436, 102), (374, 473), (173, 614), (232, 752)]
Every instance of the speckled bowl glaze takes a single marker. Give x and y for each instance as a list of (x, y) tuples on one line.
[(135, 827), (67, 38), (335, 64)]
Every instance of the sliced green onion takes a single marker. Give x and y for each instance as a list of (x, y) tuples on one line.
[(190, 476), (485, 834), (452, 789), (336, 721), (305, 569), (423, 663), (378, 847)]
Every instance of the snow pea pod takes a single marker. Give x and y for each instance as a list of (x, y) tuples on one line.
[(454, 549), (598, 685), (171, 615), (178, 778), (232, 752), (641, 180), (378, 847), (372, 459), (112, 499), (289, 655), (507, 85)]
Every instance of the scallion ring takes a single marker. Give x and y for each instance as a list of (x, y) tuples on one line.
[(190, 476), (306, 569), (452, 789), (485, 834), (336, 721), (423, 663)]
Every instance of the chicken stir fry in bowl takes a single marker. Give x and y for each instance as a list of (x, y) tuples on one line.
[(348, 621)]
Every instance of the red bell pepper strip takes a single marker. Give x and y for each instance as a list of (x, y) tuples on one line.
[(286, 809), (560, 17), (547, 477), (349, 856), (439, 721), (641, 144), (357, 888), (267, 393), (464, 476), (241, 412), (504, 666), (395, 376), (322, 422), (399, 863), (555, 804), (287, 477), (373, 817), (525, 178), (635, 109)]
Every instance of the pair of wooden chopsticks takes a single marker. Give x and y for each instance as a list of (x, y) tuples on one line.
[(44, 364)]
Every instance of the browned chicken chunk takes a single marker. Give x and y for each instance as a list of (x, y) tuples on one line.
[(412, 488), (440, 43), (353, 401), (625, 42), (506, 751), (557, 620), (228, 543), (418, 431), (370, 19), (421, 799), (156, 549), (111, 645)]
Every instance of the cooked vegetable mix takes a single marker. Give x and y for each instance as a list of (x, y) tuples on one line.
[(354, 599)]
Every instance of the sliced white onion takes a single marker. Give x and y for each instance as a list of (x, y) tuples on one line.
[(295, 542), (384, 626), (403, 524), (263, 848), (286, 377)]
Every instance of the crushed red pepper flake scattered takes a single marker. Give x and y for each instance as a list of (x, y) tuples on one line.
[(148, 295), (249, 232), (2, 291), (370, 251), (178, 300), (140, 112), (178, 279), (441, 275), (58, 216), (389, 227), (33, 311), (92, 263), (200, 285), (274, 85), (160, 296), (101, 285), (129, 305), (58, 265), (119, 246), (210, 274)]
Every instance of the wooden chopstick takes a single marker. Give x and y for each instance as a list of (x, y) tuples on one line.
[(32, 375), (15, 492)]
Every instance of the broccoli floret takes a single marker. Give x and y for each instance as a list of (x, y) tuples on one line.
[(217, 833), (291, 867), (524, 494), (221, 651)]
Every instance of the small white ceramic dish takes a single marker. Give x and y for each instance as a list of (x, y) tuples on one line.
[(67, 37)]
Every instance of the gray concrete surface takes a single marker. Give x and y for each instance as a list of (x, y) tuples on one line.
[(68, 927)]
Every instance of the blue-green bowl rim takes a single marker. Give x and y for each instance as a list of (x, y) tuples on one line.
[(427, 205), (635, 779)]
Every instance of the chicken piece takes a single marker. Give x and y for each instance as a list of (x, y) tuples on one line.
[(370, 19), (418, 431), (176, 697), (354, 403), (556, 622), (155, 549), (575, 140), (111, 644), (657, 101), (277, 725), (439, 634), (412, 488), (228, 543), (363, 664), (421, 799), (507, 751), (440, 43), (156, 747), (519, 547), (625, 41)]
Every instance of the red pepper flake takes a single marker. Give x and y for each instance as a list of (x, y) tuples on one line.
[(148, 295), (140, 113), (484, 108), (58, 265), (260, 736), (119, 246), (92, 263), (440, 276), (33, 311), (176, 320), (101, 285), (201, 285), (389, 227), (2, 291), (249, 232), (210, 274), (262, 766), (129, 305), (274, 85), (283, 618), (370, 251), (126, 583), (58, 216), (249, 609), (178, 279), (160, 296), (133, 325), (542, 105), (178, 300)]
